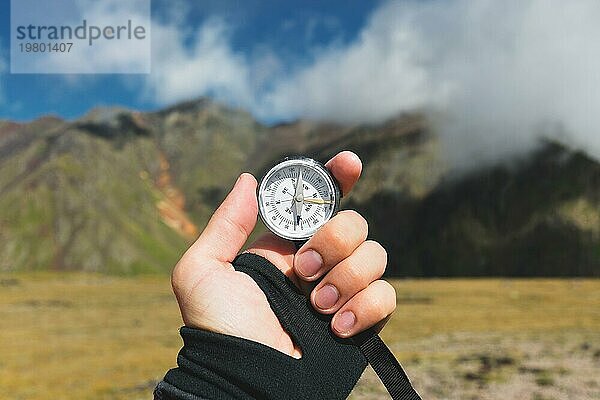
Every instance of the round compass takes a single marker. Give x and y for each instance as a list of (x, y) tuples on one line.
[(296, 197)]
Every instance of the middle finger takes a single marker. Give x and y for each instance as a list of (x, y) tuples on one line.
[(332, 243), (353, 274)]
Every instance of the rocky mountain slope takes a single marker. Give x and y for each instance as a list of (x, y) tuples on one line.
[(120, 191)]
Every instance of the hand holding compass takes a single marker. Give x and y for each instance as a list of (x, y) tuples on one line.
[(298, 200), (215, 297)]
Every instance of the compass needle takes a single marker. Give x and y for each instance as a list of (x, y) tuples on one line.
[(299, 196), (317, 201)]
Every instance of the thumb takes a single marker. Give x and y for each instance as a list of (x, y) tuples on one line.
[(230, 226)]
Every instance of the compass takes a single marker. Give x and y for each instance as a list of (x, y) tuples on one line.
[(296, 197)]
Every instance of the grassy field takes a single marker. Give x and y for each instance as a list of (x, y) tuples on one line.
[(83, 336)]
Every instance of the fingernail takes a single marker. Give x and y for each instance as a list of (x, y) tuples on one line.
[(326, 297), (344, 322), (308, 263)]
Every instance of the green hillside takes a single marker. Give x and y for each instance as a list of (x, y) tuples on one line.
[(124, 192)]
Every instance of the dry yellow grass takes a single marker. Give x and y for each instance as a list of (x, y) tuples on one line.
[(83, 336), (79, 336), (429, 307)]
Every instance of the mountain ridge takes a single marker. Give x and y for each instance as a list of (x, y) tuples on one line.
[(122, 191)]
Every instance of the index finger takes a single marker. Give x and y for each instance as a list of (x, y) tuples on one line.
[(346, 168)]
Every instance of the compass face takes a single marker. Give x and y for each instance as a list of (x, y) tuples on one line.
[(296, 197)]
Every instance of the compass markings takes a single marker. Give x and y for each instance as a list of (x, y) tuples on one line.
[(278, 198)]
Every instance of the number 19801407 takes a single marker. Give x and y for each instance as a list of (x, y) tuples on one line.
[(45, 47)]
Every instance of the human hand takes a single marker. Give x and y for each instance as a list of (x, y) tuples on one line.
[(213, 296)]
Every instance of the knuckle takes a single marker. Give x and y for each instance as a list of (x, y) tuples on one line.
[(377, 250), (337, 236), (352, 222), (390, 296), (384, 302), (234, 226), (376, 255), (357, 220), (378, 308), (355, 273)]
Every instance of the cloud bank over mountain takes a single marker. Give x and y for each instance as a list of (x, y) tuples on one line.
[(495, 76)]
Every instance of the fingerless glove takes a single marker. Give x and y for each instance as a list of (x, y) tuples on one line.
[(217, 366)]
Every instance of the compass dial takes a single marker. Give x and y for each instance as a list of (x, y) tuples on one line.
[(296, 197)]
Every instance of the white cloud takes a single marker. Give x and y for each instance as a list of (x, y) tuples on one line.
[(208, 67), (108, 55), (369, 80), (124, 55), (497, 72)]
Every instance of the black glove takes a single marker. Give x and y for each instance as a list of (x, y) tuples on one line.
[(217, 366)]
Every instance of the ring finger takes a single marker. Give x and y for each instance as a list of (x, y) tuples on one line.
[(365, 265)]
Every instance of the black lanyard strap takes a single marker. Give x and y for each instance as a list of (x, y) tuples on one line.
[(386, 366)]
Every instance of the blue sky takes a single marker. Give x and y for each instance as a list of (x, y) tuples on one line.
[(291, 29)]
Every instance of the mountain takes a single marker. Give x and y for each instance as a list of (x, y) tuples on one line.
[(124, 192)]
